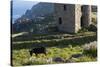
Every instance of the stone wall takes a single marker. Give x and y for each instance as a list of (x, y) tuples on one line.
[(78, 15), (86, 15), (69, 17)]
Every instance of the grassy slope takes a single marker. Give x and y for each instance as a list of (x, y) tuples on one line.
[(63, 48), (57, 45)]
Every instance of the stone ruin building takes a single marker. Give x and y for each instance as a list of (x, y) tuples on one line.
[(72, 17), (68, 18)]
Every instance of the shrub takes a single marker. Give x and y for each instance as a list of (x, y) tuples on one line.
[(92, 28), (83, 30), (90, 49), (94, 20), (86, 59)]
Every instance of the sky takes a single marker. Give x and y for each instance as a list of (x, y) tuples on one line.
[(20, 7)]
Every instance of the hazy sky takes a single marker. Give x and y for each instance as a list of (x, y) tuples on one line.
[(20, 6)]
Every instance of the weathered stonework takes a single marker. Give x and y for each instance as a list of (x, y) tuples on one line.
[(68, 17), (78, 15), (86, 15)]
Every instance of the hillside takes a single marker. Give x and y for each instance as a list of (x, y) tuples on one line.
[(41, 13)]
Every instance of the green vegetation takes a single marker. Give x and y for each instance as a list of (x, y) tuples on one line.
[(91, 27), (57, 45), (94, 17), (60, 47), (90, 49), (22, 57), (82, 30)]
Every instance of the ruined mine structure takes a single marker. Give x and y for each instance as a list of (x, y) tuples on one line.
[(70, 18)]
